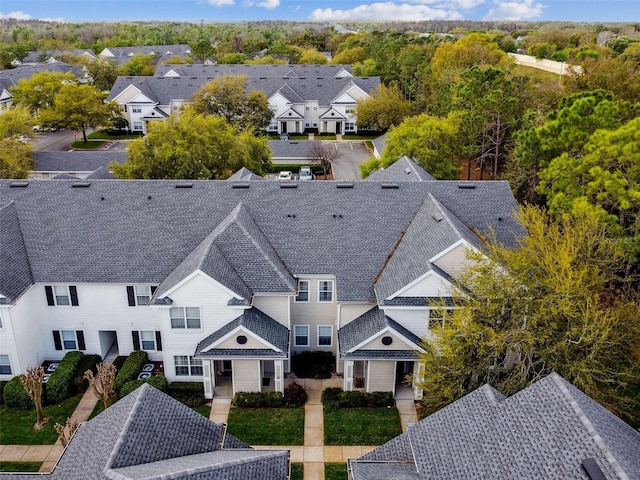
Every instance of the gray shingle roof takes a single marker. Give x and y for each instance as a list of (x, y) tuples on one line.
[(101, 173), (33, 57), (281, 149), (27, 71), (366, 326), (271, 70), (244, 175), (16, 272), (257, 322), (164, 52), (544, 431), (404, 170), (148, 433), (140, 231), (76, 161)]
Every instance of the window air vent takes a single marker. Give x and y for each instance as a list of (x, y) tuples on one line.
[(344, 185), (389, 185), (19, 185), (240, 185), (184, 185), (288, 185), (467, 186), (81, 185)]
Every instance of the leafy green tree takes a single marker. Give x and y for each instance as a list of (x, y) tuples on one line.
[(312, 57), (37, 93), (619, 75), (227, 96), (430, 141), (103, 73), (16, 158), (202, 50), (546, 305), (15, 122), (383, 109), (350, 56), (80, 107), (140, 65), (232, 58), (194, 146)]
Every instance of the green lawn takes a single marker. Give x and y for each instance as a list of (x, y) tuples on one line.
[(203, 410), (360, 426), (80, 145), (98, 409), (103, 135), (22, 467), (335, 471), (16, 426), (297, 471), (267, 426)]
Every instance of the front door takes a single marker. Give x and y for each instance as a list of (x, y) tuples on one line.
[(284, 127), (338, 128)]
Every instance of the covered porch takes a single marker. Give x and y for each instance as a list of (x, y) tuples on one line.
[(226, 377)]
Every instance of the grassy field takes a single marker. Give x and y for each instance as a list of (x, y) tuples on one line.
[(22, 467), (267, 426), (297, 471), (360, 426), (335, 471), (91, 145), (16, 426)]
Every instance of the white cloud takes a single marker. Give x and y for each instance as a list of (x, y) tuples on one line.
[(524, 10), (268, 4), (15, 15), (384, 11), (220, 3)]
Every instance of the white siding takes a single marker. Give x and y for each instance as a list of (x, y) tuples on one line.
[(432, 285), (277, 307), (252, 342), (350, 312), (381, 376), (397, 344), (246, 376), (453, 261), (414, 320)]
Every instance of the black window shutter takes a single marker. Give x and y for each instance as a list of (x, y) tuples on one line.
[(57, 341), (73, 291), (158, 341), (80, 335), (131, 296), (136, 340), (49, 291), (153, 289)]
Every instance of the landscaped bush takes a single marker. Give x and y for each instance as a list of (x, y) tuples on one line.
[(15, 396), (259, 400), (313, 364), (119, 361), (157, 381), (295, 395), (2, 384), (58, 388), (189, 393), (130, 369), (334, 397), (79, 384)]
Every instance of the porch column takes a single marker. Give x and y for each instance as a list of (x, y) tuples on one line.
[(418, 376), (278, 382), (348, 375), (208, 378)]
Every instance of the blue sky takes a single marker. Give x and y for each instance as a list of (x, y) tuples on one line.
[(323, 11)]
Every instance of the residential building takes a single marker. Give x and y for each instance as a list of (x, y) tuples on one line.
[(75, 164), (549, 430), (262, 70), (148, 434), (325, 103), (49, 56), (234, 277), (122, 55)]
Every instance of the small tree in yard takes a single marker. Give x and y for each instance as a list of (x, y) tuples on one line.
[(32, 382), (322, 154), (103, 384), (66, 431)]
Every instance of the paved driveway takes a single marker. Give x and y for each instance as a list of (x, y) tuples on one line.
[(54, 142), (351, 154)]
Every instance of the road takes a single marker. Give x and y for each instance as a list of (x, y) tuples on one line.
[(351, 155), (61, 140)]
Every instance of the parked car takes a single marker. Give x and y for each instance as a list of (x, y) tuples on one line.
[(305, 174), (285, 175)]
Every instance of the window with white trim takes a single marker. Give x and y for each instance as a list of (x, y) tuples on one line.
[(349, 126), (325, 291), (69, 341), (350, 110), (185, 317), (143, 294), (301, 335), (303, 292), (61, 294), (5, 365), (137, 125), (136, 109), (147, 340), (325, 335), (440, 317), (187, 366)]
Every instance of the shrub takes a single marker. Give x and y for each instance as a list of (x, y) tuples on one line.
[(313, 364), (157, 381), (58, 388), (189, 393), (130, 369), (248, 400), (335, 398), (15, 396), (273, 399), (79, 384), (119, 361), (295, 395), (2, 384)]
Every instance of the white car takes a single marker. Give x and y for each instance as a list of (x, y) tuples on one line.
[(305, 174), (285, 175)]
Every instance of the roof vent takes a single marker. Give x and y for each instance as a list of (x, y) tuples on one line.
[(467, 186), (184, 185), (291, 215), (344, 185), (389, 185), (337, 215), (81, 185), (593, 470), (288, 185), (407, 171), (240, 185), (437, 218), (19, 184)]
